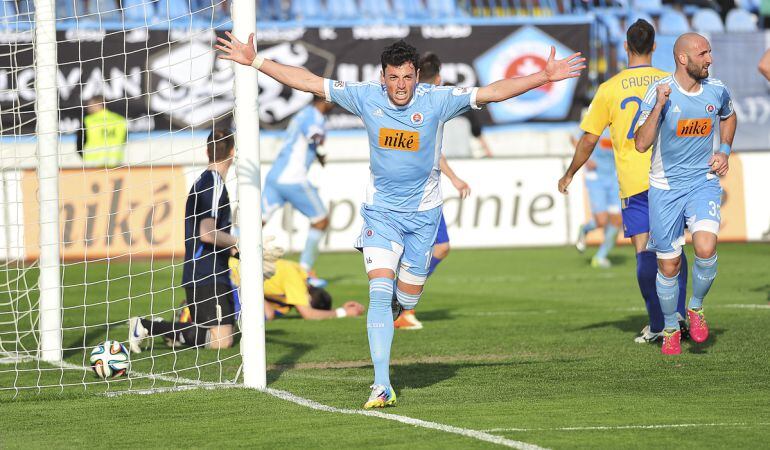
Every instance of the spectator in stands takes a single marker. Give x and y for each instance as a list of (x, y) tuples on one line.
[(102, 138), (764, 65)]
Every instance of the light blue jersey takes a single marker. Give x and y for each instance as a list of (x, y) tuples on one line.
[(685, 141), (404, 142), (305, 132)]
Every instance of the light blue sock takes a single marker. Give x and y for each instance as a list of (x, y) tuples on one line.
[(610, 234), (379, 326), (408, 301), (668, 293), (704, 270), (589, 226), (310, 253)]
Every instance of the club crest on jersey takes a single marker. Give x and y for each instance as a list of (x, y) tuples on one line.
[(405, 141), (693, 128), (416, 118), (710, 108), (369, 232)]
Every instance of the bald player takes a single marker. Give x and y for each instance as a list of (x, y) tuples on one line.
[(680, 114)]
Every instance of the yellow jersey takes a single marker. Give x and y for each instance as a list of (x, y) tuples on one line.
[(288, 287), (617, 104)]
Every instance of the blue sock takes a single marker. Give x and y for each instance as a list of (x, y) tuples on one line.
[(379, 327), (309, 254), (646, 274), (434, 262), (703, 273), (668, 292), (408, 301), (610, 234), (589, 226), (681, 305)]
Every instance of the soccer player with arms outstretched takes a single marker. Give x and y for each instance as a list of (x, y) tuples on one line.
[(679, 115), (403, 120), (617, 104)]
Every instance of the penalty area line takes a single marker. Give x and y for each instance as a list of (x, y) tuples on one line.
[(473, 434), (633, 427)]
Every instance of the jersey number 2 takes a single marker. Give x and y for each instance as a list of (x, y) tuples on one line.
[(638, 102)]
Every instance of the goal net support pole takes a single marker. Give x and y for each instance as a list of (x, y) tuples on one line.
[(250, 213), (47, 111)]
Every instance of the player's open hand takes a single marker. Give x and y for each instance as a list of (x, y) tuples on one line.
[(564, 183), (353, 309), (561, 69), (462, 188), (235, 50), (719, 164), (663, 91)]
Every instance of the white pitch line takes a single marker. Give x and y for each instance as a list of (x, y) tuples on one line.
[(288, 396), (474, 434), (633, 427)]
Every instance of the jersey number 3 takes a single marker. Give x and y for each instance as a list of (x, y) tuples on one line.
[(638, 102)]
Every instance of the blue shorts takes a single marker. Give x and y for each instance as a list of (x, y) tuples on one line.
[(303, 196), (410, 233), (698, 208), (636, 214), (442, 236), (604, 195)]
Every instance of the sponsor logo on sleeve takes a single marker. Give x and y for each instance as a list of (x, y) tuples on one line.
[(693, 128), (405, 141), (338, 85)]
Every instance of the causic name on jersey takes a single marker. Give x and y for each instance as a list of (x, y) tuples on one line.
[(693, 127), (640, 81), (408, 141)]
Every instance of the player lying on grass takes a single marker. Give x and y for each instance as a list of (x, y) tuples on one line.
[(681, 114), (403, 120)]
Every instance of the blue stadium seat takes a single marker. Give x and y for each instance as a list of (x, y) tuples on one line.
[(8, 12), (306, 9), (341, 9), (636, 15), (172, 9), (409, 8), (103, 10), (442, 8), (673, 22), (707, 21), (612, 27), (648, 6), (140, 11), (375, 9), (741, 21)]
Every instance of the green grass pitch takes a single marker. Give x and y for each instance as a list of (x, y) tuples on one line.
[(529, 344)]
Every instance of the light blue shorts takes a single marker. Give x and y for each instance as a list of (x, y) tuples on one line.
[(604, 195), (413, 233), (302, 196), (670, 210)]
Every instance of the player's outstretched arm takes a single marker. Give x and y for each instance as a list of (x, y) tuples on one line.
[(719, 161), (583, 150), (646, 133), (555, 70), (295, 77), (764, 65)]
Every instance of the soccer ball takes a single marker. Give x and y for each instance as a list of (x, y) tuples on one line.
[(109, 359)]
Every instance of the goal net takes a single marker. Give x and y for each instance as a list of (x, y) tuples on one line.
[(92, 226)]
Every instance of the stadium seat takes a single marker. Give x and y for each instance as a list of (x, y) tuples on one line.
[(341, 9), (409, 8), (612, 27), (648, 6), (375, 9), (707, 21), (306, 9), (7, 12), (140, 11), (442, 8), (636, 15), (172, 9), (103, 10), (673, 22), (740, 21)]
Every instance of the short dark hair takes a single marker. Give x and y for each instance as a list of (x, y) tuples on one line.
[(398, 54), (320, 298), (430, 66), (219, 144), (640, 37)]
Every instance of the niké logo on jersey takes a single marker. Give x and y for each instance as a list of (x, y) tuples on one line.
[(408, 141), (693, 127)]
